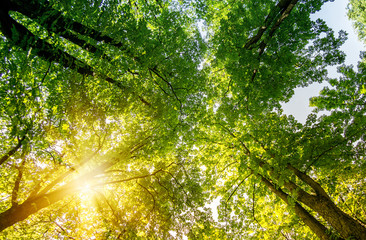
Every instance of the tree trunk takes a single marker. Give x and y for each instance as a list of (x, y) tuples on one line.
[(321, 203), (55, 21), (20, 212), (319, 229), (21, 37), (275, 18), (344, 224)]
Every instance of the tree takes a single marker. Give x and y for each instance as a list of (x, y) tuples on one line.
[(121, 121), (261, 147), (274, 153)]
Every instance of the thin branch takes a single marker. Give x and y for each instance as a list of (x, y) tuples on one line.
[(236, 188), (45, 75), (228, 165), (233, 135), (167, 190), (255, 71), (253, 202), (153, 209), (140, 144), (14, 149), (168, 83), (262, 145), (161, 88), (129, 179), (133, 178), (180, 185), (109, 205), (351, 211), (333, 147), (228, 86), (116, 170), (38, 185), (64, 175)]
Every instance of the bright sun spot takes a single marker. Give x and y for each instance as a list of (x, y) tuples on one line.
[(86, 187), (86, 194)]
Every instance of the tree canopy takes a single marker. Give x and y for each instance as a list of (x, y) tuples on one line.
[(127, 119)]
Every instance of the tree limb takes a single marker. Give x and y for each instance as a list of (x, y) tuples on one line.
[(308, 180), (20, 36), (276, 16), (13, 150)]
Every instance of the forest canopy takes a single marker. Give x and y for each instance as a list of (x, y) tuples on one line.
[(127, 119)]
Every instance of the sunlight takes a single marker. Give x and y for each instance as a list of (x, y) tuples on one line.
[(85, 192), (85, 196), (166, 119), (86, 187)]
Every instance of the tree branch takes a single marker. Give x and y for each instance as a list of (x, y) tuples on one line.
[(277, 15), (168, 83), (236, 188), (24, 39), (233, 135), (13, 150), (153, 209), (308, 180), (56, 21)]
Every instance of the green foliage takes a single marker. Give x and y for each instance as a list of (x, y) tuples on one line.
[(125, 119)]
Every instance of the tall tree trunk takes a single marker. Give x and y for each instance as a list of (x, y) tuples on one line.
[(345, 225), (55, 21), (321, 203), (319, 229), (275, 17)]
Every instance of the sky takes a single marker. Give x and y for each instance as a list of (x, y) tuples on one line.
[(335, 15)]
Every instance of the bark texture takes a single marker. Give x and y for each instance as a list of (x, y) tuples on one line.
[(320, 202), (319, 229), (20, 212)]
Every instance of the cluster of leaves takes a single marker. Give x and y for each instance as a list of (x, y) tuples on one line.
[(356, 12)]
